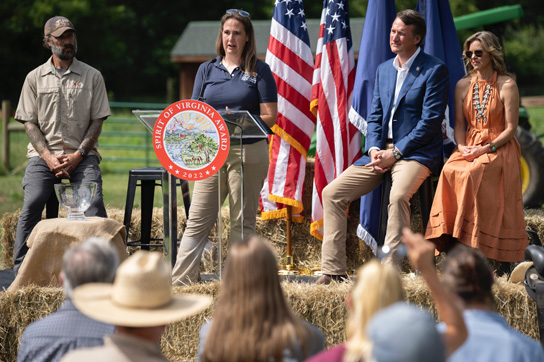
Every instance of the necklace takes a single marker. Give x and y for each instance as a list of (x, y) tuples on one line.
[(480, 108)]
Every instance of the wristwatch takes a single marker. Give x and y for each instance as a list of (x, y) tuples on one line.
[(82, 151), (396, 154)]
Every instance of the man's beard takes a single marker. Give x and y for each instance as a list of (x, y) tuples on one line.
[(64, 53)]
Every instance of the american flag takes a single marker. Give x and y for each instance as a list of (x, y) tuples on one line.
[(290, 58), (338, 142)]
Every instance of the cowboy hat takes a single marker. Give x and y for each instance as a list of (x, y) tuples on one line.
[(140, 295)]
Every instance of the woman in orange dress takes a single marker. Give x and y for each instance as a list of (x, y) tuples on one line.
[(478, 200)]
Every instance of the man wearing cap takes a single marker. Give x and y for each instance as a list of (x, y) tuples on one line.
[(140, 304), (62, 105), (49, 339)]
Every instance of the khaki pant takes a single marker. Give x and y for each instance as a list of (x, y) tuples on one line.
[(353, 183), (204, 207)]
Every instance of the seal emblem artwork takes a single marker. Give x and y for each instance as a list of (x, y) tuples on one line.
[(191, 140)]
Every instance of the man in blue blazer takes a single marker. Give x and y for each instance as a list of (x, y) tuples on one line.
[(404, 136)]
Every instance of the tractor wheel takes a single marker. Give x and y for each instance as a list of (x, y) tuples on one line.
[(532, 169)]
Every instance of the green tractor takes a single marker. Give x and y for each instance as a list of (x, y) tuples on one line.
[(532, 152), (532, 163)]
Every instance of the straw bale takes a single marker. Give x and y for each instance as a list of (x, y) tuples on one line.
[(321, 305), (514, 304), (180, 340), (534, 219), (306, 249), (20, 308), (9, 227)]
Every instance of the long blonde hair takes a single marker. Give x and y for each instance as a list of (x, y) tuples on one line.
[(491, 44), (378, 286), (252, 320)]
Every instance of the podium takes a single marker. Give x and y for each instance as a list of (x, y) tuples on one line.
[(243, 127), (169, 201)]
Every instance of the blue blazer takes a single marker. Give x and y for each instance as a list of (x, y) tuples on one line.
[(417, 121)]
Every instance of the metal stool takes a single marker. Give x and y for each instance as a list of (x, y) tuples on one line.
[(149, 177)]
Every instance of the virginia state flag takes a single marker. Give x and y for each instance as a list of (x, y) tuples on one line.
[(373, 51), (442, 42)]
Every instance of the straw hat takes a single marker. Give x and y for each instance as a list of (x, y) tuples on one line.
[(140, 295)]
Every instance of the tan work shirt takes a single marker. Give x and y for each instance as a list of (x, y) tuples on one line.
[(118, 348), (63, 105)]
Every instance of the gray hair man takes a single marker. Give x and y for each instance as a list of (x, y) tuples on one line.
[(140, 304), (94, 260)]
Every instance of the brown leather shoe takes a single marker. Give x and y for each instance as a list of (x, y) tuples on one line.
[(327, 279), (324, 279)]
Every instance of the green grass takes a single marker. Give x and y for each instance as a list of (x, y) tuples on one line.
[(536, 118)]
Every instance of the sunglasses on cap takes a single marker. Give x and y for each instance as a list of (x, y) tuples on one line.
[(478, 53), (243, 13)]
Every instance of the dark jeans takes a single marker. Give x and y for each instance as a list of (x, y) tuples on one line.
[(38, 185)]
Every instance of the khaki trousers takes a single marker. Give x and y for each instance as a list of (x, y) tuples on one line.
[(204, 207), (353, 183)]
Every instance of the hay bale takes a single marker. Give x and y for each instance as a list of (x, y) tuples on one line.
[(514, 304), (321, 305), (534, 219), (9, 227), (305, 248), (180, 340), (20, 308)]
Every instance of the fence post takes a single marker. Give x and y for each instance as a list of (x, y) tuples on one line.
[(6, 115)]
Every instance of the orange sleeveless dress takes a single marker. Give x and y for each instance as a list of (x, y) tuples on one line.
[(479, 203)]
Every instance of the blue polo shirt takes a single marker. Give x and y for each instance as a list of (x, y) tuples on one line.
[(239, 90)]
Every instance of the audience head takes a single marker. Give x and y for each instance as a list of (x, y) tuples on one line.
[(139, 298), (467, 273), (491, 44), (405, 333), (378, 286), (251, 277), (94, 260), (252, 320)]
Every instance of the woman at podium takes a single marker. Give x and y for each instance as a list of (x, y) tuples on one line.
[(234, 80)]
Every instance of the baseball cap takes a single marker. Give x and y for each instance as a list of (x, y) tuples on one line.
[(405, 333), (57, 25)]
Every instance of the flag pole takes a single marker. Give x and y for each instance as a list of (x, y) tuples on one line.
[(289, 267), (289, 264)]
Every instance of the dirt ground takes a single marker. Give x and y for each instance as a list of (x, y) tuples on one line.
[(533, 101)]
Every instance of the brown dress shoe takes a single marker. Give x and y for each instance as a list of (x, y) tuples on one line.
[(327, 278), (324, 279)]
